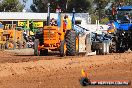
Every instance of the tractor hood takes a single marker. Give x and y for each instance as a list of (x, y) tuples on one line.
[(125, 26)]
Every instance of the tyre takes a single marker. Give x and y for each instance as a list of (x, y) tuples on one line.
[(3, 46), (72, 43), (19, 45), (62, 48), (97, 49), (36, 50), (0, 46), (112, 48), (101, 52), (97, 52), (120, 49), (10, 44), (24, 44), (40, 36)]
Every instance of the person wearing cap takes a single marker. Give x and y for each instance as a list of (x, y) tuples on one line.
[(126, 17), (53, 22)]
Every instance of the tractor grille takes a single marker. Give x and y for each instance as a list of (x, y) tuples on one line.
[(49, 34)]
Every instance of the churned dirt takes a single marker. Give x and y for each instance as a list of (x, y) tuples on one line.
[(21, 69)]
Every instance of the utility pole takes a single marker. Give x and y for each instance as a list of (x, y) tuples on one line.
[(99, 10), (24, 2), (48, 17), (66, 5)]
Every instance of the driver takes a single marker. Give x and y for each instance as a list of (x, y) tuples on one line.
[(111, 28), (126, 17)]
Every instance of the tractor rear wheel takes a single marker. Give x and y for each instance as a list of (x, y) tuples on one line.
[(71, 43), (36, 50), (62, 48), (10, 44), (24, 44), (3, 46), (112, 48), (18, 45)]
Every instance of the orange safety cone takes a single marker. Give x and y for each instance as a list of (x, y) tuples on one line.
[(84, 74)]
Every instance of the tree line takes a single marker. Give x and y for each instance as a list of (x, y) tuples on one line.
[(97, 8)]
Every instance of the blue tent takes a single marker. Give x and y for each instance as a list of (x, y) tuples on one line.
[(126, 8)]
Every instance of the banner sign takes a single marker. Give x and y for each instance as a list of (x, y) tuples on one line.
[(36, 24)]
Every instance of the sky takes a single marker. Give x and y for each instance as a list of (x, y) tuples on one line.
[(28, 3)]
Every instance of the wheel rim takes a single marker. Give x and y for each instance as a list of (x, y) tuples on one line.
[(10, 46)]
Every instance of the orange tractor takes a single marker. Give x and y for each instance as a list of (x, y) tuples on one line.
[(56, 38), (14, 38), (2, 38)]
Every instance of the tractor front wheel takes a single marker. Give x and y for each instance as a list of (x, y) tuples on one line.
[(24, 44), (36, 50), (62, 48), (10, 44), (18, 45), (71, 43)]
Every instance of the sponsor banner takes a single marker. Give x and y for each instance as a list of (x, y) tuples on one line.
[(36, 24)]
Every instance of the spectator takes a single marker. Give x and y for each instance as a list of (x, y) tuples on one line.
[(68, 22)]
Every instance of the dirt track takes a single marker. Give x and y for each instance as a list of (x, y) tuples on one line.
[(20, 69)]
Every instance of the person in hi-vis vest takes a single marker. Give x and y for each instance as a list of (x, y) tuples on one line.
[(68, 22)]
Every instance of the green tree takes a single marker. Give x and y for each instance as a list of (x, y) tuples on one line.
[(79, 5), (104, 20), (100, 7), (11, 6), (39, 5), (65, 5), (111, 12)]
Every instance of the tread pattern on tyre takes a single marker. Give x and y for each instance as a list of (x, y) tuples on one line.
[(70, 43), (36, 42), (24, 44), (62, 52), (19, 44)]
